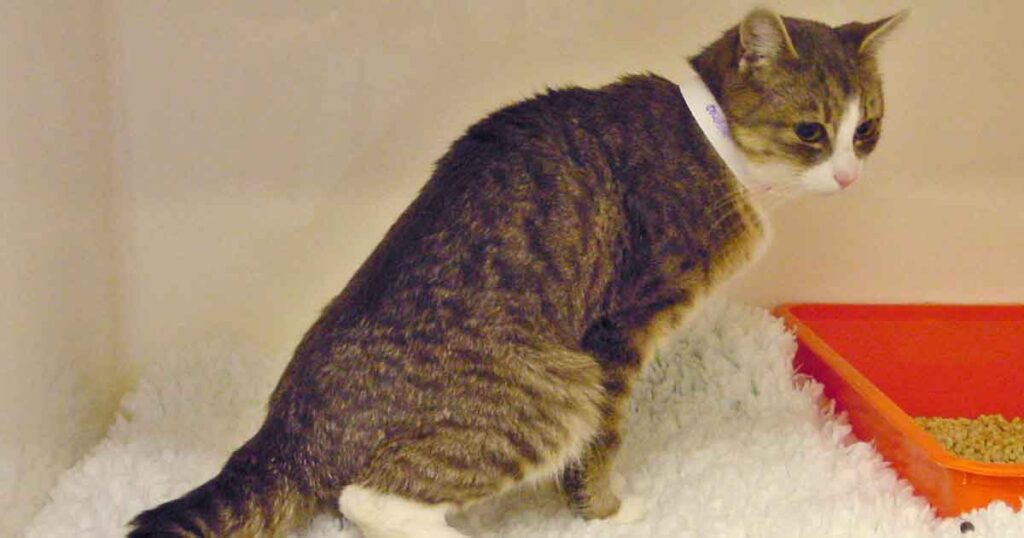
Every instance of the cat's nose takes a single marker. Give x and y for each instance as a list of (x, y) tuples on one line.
[(845, 179)]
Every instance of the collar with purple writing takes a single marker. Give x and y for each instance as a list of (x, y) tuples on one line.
[(711, 119)]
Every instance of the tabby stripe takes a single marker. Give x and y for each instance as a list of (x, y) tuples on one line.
[(571, 147), (536, 171)]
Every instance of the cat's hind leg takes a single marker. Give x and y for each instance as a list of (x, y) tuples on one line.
[(621, 346), (535, 410), (382, 515)]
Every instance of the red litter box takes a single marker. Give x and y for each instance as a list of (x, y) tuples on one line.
[(883, 364)]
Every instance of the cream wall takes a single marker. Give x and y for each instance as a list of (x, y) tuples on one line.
[(268, 145), (58, 378)]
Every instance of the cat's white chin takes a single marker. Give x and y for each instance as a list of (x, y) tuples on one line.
[(823, 178), (820, 186), (831, 176), (775, 177)]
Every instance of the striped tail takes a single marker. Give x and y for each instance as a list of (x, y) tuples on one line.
[(244, 500)]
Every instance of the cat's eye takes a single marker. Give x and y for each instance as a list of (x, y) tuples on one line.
[(810, 132), (866, 129)]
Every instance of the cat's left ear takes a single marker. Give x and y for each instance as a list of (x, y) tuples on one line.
[(868, 37)]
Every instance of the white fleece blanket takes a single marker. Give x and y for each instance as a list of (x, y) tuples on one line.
[(720, 443)]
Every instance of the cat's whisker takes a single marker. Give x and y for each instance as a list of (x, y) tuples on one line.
[(723, 202), (725, 207), (769, 199), (726, 212), (731, 196)]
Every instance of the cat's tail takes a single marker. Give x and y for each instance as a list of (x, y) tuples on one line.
[(247, 499)]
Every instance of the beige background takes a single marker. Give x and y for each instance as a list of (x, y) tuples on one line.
[(176, 172), (58, 373)]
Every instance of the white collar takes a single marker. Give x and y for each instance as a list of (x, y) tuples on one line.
[(711, 119)]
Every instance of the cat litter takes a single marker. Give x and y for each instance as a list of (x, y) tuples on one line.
[(884, 364), (989, 438)]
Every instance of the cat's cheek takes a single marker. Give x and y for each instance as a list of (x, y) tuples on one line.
[(771, 176)]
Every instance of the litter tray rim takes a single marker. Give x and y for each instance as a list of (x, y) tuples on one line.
[(885, 406)]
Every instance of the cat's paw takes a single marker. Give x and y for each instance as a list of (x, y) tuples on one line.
[(617, 482), (632, 509)]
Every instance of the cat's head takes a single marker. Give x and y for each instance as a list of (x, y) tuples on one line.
[(803, 99)]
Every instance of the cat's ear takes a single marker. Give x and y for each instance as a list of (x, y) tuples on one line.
[(868, 37), (764, 39)]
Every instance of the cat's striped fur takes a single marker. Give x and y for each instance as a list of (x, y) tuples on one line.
[(493, 336)]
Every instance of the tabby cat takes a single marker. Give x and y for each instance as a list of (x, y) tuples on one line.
[(492, 337)]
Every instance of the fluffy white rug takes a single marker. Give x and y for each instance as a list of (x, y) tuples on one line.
[(721, 443)]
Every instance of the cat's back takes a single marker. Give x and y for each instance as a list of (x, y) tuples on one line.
[(490, 276), (519, 203)]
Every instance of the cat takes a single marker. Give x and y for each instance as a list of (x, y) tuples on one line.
[(492, 337)]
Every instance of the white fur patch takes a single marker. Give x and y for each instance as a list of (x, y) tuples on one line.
[(822, 177), (379, 515), (633, 507), (772, 175), (632, 510)]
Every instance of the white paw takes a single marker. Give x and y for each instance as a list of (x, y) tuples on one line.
[(618, 483), (632, 509)]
